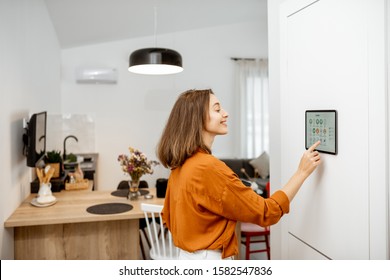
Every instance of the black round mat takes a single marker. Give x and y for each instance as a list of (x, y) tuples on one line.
[(109, 208), (125, 192)]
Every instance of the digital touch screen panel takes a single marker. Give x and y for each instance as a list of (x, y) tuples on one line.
[(322, 125)]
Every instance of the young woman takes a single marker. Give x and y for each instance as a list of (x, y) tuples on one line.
[(205, 198)]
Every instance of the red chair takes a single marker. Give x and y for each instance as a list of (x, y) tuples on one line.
[(250, 231)]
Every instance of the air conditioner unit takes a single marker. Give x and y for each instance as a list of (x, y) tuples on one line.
[(96, 75)]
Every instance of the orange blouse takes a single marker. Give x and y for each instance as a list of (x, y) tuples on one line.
[(204, 201)]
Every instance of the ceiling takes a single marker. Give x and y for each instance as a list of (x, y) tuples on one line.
[(85, 22)]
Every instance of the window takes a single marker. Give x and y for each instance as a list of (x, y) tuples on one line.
[(252, 87)]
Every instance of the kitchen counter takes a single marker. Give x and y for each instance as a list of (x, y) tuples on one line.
[(66, 230)]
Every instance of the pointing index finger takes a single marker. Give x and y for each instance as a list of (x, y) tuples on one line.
[(314, 146)]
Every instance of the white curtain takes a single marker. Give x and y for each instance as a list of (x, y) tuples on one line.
[(252, 87)]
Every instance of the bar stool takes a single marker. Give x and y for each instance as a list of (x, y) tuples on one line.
[(250, 231)]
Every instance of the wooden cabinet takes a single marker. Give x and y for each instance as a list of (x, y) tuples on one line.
[(66, 230)]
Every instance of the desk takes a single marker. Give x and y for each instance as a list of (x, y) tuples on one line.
[(66, 230)]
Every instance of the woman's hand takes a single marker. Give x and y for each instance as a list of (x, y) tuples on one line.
[(310, 160)]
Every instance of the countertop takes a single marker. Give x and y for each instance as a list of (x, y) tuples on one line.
[(71, 208)]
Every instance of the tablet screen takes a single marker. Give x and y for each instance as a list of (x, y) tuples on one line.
[(321, 125)]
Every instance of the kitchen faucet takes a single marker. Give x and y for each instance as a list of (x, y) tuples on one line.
[(69, 136)]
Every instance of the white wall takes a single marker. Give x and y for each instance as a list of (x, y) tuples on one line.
[(133, 112), (277, 242), (30, 83), (342, 210)]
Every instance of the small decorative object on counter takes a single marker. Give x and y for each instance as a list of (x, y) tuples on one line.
[(76, 180), (134, 192), (45, 195), (72, 180), (135, 165), (54, 159), (79, 174)]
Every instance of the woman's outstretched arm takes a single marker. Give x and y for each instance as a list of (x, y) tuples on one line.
[(309, 162)]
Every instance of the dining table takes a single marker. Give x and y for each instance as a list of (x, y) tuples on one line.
[(79, 225)]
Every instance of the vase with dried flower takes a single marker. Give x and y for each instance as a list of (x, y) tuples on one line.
[(135, 165)]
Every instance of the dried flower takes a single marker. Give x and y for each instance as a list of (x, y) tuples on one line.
[(136, 164)]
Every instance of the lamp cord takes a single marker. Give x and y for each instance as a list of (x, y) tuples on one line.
[(155, 26)]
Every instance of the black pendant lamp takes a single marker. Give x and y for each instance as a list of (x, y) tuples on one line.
[(155, 61)]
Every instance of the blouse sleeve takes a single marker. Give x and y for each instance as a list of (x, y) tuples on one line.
[(241, 203)]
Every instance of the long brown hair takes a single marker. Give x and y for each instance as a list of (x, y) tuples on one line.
[(182, 135)]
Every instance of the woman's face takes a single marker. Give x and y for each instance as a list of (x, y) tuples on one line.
[(216, 123)]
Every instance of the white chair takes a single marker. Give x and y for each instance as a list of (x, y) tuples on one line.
[(162, 247)]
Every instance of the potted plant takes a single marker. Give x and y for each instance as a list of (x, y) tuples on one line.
[(54, 159), (70, 163)]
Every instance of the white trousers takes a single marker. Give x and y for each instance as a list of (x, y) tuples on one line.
[(202, 255)]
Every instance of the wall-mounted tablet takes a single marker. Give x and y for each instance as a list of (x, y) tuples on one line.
[(321, 125)]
